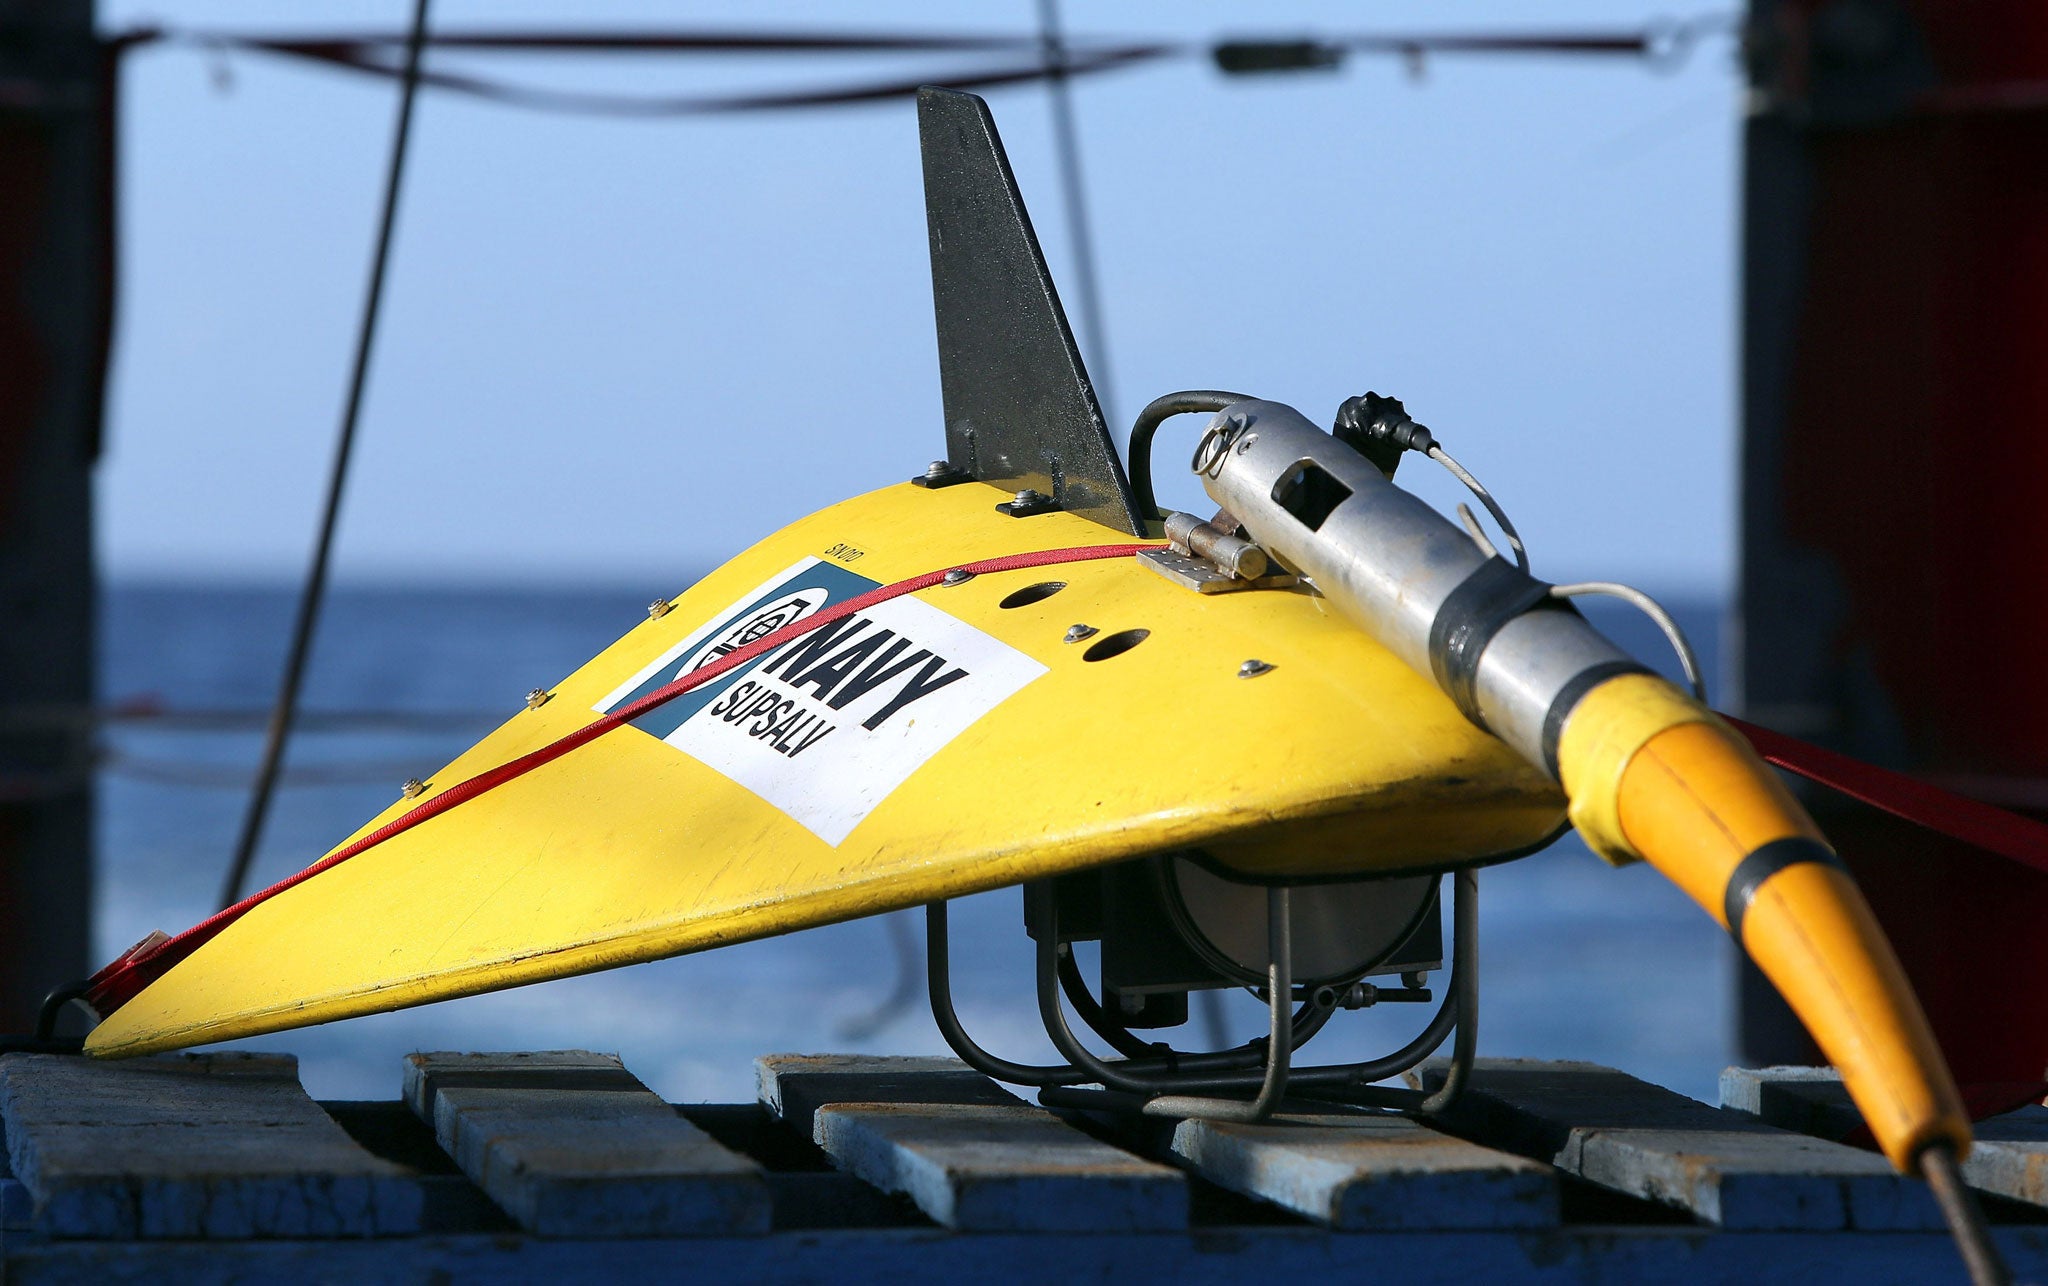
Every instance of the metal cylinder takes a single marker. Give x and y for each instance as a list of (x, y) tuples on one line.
[(1241, 558), (1391, 563)]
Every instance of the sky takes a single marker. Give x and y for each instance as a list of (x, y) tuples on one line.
[(623, 350)]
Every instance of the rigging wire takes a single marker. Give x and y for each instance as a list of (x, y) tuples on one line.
[(1067, 142), (1660, 44), (576, 102), (903, 992), (315, 590)]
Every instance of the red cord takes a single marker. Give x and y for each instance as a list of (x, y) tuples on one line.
[(1957, 816), (120, 981)]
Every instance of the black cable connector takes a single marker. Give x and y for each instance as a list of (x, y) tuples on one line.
[(1380, 429)]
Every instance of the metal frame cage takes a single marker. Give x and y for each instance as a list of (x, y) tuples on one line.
[(1246, 1083)]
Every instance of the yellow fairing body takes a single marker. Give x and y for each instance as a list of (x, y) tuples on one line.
[(770, 813)]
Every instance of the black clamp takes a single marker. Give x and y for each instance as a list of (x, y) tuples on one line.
[(1494, 594), (1380, 429)]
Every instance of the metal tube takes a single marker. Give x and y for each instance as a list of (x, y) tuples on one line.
[(1118, 1038), (1388, 561), (1465, 983), (938, 978), (1460, 1008), (1279, 1033)]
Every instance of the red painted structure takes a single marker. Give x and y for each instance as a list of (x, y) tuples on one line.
[(1895, 576), (55, 245)]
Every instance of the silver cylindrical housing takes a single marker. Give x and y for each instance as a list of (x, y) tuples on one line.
[(1387, 561)]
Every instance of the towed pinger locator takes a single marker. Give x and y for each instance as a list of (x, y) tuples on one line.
[(1242, 756)]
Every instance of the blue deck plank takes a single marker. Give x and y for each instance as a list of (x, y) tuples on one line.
[(571, 1144), (178, 1146), (1360, 1172), (1724, 1167), (2009, 1156), (971, 1155)]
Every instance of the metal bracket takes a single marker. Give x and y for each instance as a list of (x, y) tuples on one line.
[(941, 473), (1205, 577), (1028, 502)]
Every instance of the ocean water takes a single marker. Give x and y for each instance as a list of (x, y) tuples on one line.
[(1577, 960)]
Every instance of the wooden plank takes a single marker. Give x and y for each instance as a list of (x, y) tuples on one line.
[(793, 1086), (449, 1202), (208, 1146), (1365, 1172), (1001, 1169), (807, 1191), (1805, 1100), (969, 1155), (571, 1144), (2009, 1156), (1726, 1168)]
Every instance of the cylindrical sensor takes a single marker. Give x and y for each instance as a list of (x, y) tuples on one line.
[(1405, 574)]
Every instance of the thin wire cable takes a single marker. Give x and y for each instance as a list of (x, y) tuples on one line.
[(1651, 608), (315, 591), (661, 106), (1067, 141), (1475, 531), (1500, 516), (903, 993), (1660, 45), (1986, 826), (1965, 1217)]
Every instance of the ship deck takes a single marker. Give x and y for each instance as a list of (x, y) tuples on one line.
[(563, 1165)]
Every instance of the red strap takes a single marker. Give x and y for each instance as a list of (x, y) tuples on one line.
[(1956, 816), (120, 981)]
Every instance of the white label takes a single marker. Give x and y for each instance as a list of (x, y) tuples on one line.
[(826, 726)]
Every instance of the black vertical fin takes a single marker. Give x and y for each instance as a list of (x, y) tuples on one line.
[(1019, 409)]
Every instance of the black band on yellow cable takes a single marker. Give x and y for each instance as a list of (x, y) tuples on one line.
[(1764, 862), (1494, 594), (1568, 698)]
